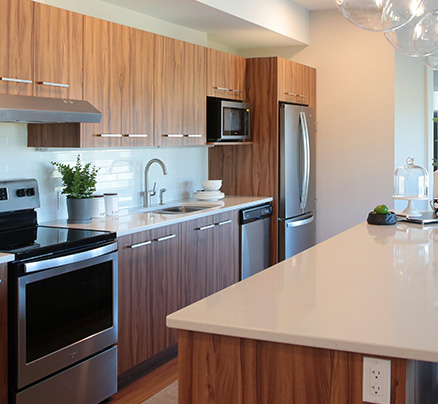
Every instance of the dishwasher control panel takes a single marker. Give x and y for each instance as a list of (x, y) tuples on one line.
[(258, 212)]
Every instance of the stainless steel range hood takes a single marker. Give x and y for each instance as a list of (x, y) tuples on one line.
[(27, 109)]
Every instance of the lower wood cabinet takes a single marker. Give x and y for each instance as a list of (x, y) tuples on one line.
[(3, 333), (149, 290), (210, 259), (164, 269)]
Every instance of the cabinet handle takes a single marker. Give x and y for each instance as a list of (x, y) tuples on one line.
[(221, 88), (16, 80), (136, 135), (174, 135), (141, 244), (209, 226), (166, 237), (237, 91), (291, 94), (192, 135), (47, 83), (110, 135), (224, 222), (302, 96)]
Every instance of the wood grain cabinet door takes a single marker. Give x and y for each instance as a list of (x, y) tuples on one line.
[(149, 290), (226, 251), (16, 50), (3, 333), (288, 81), (104, 76), (225, 75), (138, 93), (58, 49)]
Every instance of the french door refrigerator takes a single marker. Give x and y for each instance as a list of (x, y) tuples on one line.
[(296, 210)]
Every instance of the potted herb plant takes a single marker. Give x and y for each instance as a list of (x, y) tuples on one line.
[(79, 183)]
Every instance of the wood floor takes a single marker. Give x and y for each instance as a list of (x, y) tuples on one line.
[(148, 385)]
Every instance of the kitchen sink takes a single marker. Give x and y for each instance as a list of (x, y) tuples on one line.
[(181, 209)]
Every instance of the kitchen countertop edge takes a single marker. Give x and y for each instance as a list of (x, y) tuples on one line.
[(5, 258)]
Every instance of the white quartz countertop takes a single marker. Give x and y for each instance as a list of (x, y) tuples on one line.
[(136, 220), (371, 289), (5, 257)]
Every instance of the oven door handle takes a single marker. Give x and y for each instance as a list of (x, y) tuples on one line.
[(69, 259)]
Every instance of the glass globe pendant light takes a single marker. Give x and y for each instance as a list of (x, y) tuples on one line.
[(402, 38), (425, 39), (379, 15), (430, 61)]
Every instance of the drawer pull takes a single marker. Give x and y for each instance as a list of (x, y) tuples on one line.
[(174, 135), (209, 226), (293, 94), (221, 88), (110, 135), (47, 83), (136, 135), (16, 80), (224, 222), (166, 237), (193, 135), (302, 96), (237, 91), (141, 244)]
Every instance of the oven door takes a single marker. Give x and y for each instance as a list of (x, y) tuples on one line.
[(66, 311)]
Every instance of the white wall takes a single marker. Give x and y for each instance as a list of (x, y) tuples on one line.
[(122, 170)]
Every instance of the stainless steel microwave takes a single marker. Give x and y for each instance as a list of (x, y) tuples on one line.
[(227, 121)]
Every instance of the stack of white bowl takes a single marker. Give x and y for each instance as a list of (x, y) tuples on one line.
[(210, 192)]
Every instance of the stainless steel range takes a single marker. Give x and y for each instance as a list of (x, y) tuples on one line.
[(62, 305)]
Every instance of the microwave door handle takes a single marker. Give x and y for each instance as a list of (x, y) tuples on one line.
[(306, 174)]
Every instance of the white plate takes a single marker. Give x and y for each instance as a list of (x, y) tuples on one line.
[(210, 196)]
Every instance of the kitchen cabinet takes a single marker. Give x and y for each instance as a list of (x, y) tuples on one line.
[(16, 51), (210, 255), (58, 52), (149, 290), (106, 53), (254, 170), (225, 75), (180, 88), (3, 333), (138, 93)]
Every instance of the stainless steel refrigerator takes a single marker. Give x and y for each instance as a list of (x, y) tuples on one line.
[(296, 210)]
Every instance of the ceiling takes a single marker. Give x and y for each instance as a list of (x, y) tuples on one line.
[(220, 27)]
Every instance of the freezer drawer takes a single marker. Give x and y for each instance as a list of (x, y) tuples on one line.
[(295, 235)]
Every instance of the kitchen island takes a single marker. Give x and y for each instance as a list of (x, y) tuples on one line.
[(297, 332)]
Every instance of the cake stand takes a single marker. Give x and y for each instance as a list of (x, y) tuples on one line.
[(411, 210)]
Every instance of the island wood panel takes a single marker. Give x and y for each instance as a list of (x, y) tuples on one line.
[(3, 333), (58, 50), (221, 369), (138, 93), (253, 170), (169, 87), (149, 290), (16, 50), (226, 251), (103, 80)]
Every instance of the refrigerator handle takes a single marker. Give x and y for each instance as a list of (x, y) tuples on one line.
[(306, 176), (300, 222)]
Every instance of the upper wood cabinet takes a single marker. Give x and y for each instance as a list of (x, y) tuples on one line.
[(138, 93), (149, 290), (225, 75), (105, 74), (16, 51), (58, 40), (3, 333), (293, 82), (179, 93)]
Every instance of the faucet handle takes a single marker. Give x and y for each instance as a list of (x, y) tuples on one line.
[(153, 191)]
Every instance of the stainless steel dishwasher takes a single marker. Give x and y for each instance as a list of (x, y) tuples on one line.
[(255, 236)]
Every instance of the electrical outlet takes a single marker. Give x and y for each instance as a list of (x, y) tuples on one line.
[(376, 378), (60, 198)]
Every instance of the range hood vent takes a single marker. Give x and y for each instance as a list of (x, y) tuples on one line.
[(27, 109)]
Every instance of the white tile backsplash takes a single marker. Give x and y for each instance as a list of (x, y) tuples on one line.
[(121, 171)]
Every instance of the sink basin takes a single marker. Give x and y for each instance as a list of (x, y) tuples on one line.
[(181, 209)]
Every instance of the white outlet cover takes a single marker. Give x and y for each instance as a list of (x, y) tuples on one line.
[(376, 381)]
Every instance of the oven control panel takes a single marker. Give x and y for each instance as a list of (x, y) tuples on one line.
[(19, 195)]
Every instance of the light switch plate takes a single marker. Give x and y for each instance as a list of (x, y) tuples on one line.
[(376, 386)]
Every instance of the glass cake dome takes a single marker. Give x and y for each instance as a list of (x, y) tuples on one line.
[(411, 182)]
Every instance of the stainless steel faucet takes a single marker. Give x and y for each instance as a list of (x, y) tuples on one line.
[(148, 193)]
